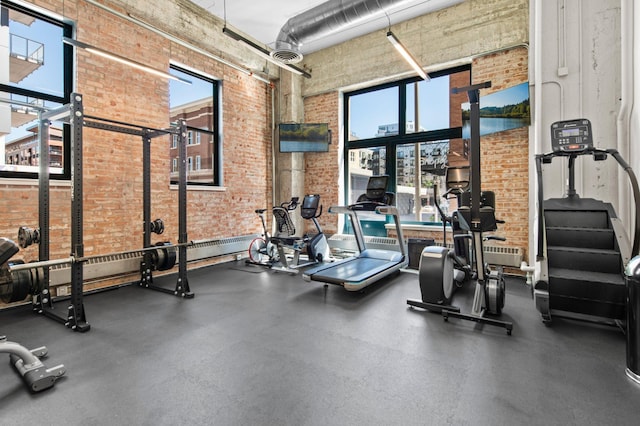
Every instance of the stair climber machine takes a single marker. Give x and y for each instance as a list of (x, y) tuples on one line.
[(14, 287), (582, 247), (369, 265), (476, 215)]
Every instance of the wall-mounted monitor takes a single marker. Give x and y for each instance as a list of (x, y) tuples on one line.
[(502, 110), (304, 137)]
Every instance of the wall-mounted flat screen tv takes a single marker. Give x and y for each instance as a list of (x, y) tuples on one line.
[(304, 137)]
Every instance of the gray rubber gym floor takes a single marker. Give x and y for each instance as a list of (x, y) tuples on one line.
[(256, 347)]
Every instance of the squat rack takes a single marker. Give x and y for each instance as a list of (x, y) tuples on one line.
[(73, 115), (147, 134)]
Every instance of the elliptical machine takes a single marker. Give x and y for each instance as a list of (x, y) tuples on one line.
[(442, 270), (476, 215)]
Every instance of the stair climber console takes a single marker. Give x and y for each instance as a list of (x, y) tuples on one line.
[(582, 247)]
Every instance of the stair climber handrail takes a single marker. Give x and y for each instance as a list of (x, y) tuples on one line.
[(539, 157), (599, 154), (636, 197)]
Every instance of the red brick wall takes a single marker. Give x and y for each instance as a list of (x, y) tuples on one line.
[(505, 155), (112, 162), (322, 170)]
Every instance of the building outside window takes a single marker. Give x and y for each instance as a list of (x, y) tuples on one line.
[(405, 130), (198, 105), (36, 71)]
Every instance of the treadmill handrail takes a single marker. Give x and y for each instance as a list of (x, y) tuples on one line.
[(357, 229)]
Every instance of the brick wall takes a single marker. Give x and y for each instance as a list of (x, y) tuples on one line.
[(322, 169), (112, 162), (505, 155)]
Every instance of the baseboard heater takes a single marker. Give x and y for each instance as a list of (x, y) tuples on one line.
[(347, 242), (494, 255), (127, 263), (500, 255)]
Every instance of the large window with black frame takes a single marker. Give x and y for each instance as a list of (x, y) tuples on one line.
[(198, 105), (36, 71), (409, 130)]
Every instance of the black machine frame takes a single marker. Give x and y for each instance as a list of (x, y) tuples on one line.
[(577, 143), (489, 287), (72, 114)]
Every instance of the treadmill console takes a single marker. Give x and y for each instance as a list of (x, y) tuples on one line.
[(571, 135)]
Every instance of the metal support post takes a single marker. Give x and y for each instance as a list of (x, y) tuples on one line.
[(182, 286), (76, 315)]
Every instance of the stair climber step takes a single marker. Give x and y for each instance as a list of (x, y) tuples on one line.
[(590, 293), (581, 237), (585, 259), (577, 219)]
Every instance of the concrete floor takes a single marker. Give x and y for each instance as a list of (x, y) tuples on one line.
[(256, 347)]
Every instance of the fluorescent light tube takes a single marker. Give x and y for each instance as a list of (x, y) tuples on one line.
[(407, 56)]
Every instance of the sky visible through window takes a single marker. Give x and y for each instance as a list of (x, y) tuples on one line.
[(181, 93), (373, 109), (49, 77)]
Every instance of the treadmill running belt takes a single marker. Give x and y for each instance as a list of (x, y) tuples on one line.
[(354, 270)]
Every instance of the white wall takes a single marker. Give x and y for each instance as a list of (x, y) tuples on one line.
[(576, 71)]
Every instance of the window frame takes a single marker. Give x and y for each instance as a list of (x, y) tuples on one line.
[(67, 86), (390, 143), (216, 149)]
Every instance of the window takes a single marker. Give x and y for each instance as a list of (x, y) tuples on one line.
[(190, 164), (197, 104), (35, 72), (174, 165), (406, 130)]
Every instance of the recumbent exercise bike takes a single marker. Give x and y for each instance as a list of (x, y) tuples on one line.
[(270, 251)]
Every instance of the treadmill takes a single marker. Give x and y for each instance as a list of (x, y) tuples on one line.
[(369, 265)]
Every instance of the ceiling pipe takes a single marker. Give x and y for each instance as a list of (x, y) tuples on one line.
[(324, 19)]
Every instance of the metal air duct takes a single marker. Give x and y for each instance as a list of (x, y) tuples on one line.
[(324, 19)]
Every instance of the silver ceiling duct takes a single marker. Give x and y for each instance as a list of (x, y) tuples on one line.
[(324, 19)]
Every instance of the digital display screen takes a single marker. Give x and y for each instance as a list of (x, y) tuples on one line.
[(566, 133)]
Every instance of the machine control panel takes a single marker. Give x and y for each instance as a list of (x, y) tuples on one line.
[(571, 135)]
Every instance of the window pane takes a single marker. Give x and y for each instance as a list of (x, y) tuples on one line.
[(195, 104), (35, 54), (20, 146), (433, 105), (416, 176), (364, 163), (32, 64), (373, 114)]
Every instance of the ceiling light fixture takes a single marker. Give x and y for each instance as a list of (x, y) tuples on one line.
[(407, 56), (122, 60), (264, 53)]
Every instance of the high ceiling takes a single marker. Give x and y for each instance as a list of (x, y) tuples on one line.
[(262, 20)]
